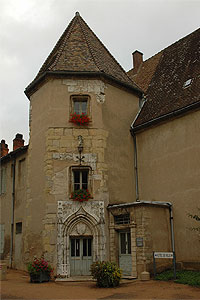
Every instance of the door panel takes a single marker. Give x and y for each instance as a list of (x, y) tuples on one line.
[(125, 259), (80, 256)]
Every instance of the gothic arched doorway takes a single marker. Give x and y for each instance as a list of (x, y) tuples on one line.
[(81, 237)]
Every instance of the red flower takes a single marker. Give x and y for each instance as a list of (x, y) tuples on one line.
[(81, 195), (79, 119)]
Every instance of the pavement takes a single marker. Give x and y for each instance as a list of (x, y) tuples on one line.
[(18, 286)]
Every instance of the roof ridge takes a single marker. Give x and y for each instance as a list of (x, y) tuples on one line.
[(105, 49), (87, 41), (184, 37), (69, 29)]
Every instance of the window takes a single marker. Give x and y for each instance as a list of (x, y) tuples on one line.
[(2, 180), (125, 243), (21, 172), (18, 227), (2, 230), (80, 179), (122, 219), (80, 104)]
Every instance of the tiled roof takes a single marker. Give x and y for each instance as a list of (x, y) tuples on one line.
[(79, 50), (13, 153), (164, 78), (144, 75)]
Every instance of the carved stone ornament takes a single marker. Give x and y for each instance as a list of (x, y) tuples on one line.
[(81, 228)]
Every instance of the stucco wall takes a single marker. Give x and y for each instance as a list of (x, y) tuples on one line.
[(6, 208), (169, 170), (118, 113)]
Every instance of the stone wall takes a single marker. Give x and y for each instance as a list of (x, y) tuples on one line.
[(61, 154)]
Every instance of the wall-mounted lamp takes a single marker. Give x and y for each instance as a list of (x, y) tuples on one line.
[(80, 149)]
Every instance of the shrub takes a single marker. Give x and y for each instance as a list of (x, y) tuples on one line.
[(106, 273)]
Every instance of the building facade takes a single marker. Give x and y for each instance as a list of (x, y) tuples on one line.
[(91, 186)]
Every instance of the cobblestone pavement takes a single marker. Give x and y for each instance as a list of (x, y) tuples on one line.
[(18, 286)]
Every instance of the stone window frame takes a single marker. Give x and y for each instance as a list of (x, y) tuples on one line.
[(81, 97), (71, 185)]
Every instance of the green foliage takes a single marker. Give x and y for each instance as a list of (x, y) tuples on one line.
[(196, 218), (106, 273), (165, 276), (39, 265), (185, 277)]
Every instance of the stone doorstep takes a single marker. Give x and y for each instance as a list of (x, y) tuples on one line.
[(75, 279), (128, 277), (125, 279)]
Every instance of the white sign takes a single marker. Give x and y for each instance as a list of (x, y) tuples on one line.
[(163, 255)]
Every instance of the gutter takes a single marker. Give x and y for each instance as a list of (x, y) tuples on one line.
[(136, 168), (165, 117), (13, 153), (31, 86), (156, 203)]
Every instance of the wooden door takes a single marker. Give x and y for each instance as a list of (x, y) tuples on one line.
[(125, 259), (80, 256)]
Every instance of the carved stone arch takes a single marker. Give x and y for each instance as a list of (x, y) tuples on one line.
[(81, 212), (80, 220), (89, 227)]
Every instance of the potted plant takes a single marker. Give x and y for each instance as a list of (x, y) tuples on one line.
[(81, 195), (80, 119), (39, 270)]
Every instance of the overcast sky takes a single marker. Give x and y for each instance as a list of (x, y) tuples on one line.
[(29, 29)]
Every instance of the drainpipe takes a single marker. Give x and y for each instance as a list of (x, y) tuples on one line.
[(136, 168), (172, 228), (172, 239), (13, 210)]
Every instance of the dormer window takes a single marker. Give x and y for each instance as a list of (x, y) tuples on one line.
[(187, 83)]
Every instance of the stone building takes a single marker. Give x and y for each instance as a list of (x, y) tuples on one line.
[(128, 142)]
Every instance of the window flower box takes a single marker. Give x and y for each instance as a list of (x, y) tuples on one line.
[(81, 195), (79, 119)]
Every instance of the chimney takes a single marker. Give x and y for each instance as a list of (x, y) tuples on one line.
[(3, 148), (137, 59), (18, 141)]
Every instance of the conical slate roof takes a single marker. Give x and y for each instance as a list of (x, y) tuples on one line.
[(79, 50)]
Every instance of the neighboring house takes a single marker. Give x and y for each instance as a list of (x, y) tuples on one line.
[(167, 133), (130, 178)]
